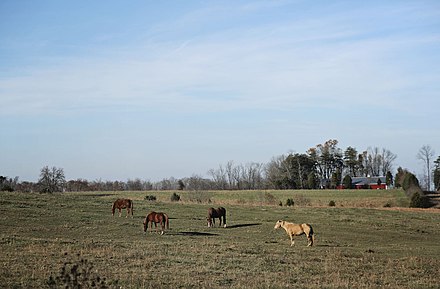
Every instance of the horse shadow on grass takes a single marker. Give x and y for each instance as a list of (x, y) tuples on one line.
[(243, 225), (194, 234)]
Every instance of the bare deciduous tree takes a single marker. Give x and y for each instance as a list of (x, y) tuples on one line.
[(219, 177), (51, 180), (426, 154), (377, 162)]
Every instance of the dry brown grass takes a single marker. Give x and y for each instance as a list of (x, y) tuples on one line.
[(355, 248)]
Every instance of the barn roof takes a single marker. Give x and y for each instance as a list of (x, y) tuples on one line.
[(367, 180)]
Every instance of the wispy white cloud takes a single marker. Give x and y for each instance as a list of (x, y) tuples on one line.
[(213, 74), (272, 69), (319, 61)]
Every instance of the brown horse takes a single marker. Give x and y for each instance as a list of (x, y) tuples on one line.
[(155, 218), (123, 204), (216, 213)]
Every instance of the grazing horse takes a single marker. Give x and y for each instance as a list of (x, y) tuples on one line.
[(216, 213), (155, 218), (123, 204), (296, 230)]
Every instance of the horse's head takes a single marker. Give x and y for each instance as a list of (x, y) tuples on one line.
[(145, 224), (279, 224), (209, 220)]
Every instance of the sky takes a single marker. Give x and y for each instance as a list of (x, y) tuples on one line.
[(117, 90)]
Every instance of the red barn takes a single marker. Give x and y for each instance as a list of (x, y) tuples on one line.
[(374, 183)]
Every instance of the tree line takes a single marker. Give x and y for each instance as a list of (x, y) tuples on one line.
[(323, 166)]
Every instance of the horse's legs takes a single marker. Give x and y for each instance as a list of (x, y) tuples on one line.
[(310, 239), (292, 241), (162, 226), (119, 210)]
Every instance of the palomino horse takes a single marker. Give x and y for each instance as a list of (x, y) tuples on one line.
[(216, 213), (123, 204), (296, 230), (155, 218)]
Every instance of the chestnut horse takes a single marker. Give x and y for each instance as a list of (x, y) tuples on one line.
[(216, 213), (123, 204), (155, 218)]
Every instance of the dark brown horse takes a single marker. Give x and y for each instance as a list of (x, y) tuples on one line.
[(216, 213), (155, 218), (123, 204)]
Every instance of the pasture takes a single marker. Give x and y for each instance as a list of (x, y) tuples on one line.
[(359, 244)]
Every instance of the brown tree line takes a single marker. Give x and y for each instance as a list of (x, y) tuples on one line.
[(322, 166)]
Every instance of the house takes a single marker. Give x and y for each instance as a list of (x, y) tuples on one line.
[(374, 183)]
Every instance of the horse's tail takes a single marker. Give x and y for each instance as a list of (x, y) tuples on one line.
[(167, 222), (113, 208), (224, 219), (132, 207), (145, 224), (311, 235)]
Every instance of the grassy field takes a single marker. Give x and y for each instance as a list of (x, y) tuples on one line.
[(359, 243)]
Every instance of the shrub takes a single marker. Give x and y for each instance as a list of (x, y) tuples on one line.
[(175, 197), (79, 274), (290, 202), (7, 188), (418, 200), (387, 205), (332, 203), (347, 181), (150, 198), (409, 181)]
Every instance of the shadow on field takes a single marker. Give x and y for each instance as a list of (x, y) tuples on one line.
[(195, 234), (243, 225), (327, 245)]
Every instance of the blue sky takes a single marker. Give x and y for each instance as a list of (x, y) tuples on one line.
[(142, 89)]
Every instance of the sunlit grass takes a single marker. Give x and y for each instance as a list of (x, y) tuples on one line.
[(356, 246)]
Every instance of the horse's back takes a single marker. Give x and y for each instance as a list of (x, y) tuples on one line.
[(222, 211), (123, 203), (151, 215), (217, 212)]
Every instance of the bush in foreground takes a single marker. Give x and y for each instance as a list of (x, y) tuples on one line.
[(79, 274)]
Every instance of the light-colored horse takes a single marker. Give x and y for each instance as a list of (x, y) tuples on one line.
[(293, 230)]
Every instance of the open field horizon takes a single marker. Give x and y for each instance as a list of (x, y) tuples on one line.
[(359, 243)]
